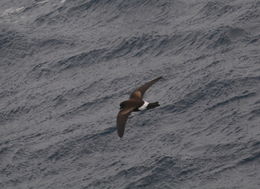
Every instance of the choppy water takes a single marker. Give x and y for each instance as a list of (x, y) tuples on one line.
[(66, 65)]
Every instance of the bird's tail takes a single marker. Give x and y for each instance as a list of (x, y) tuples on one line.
[(153, 105)]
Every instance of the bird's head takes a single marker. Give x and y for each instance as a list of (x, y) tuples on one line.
[(122, 105)]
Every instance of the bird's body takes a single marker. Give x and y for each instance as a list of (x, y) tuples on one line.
[(134, 103)]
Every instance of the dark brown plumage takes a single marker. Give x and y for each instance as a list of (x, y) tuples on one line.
[(133, 104)]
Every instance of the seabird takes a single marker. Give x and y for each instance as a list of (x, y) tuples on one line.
[(133, 104)]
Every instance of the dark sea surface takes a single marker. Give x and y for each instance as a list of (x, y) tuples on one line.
[(66, 65)]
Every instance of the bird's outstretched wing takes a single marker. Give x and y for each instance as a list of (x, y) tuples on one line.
[(121, 120), (139, 92)]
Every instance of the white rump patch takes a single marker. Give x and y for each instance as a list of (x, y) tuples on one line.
[(144, 106)]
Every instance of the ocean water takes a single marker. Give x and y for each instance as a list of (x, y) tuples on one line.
[(65, 65)]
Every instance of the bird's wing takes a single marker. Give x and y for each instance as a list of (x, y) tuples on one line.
[(139, 92), (121, 120)]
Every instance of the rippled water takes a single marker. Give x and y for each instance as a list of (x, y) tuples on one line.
[(65, 65)]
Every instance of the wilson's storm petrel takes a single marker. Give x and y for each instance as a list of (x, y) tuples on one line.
[(133, 104)]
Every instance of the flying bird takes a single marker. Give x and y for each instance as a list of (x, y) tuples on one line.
[(133, 104)]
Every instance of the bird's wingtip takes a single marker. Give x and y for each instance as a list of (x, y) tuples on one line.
[(120, 134)]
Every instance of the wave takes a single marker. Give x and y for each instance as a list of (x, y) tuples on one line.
[(66, 65)]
